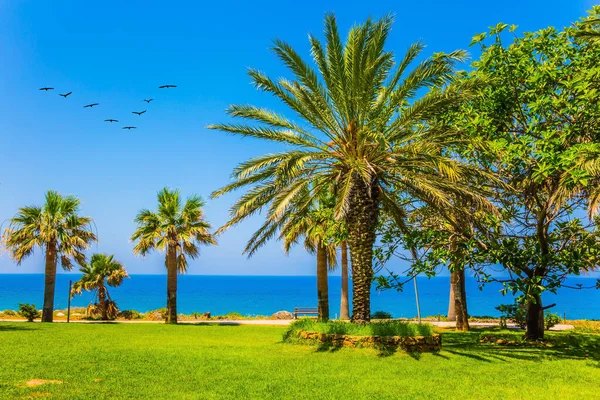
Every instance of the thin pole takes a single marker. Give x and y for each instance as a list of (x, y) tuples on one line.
[(417, 297), (415, 258), (69, 302)]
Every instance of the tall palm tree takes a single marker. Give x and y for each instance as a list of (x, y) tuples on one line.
[(59, 230), (102, 271), (363, 127), (177, 229)]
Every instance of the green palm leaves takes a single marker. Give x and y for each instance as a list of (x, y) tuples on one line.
[(57, 223), (176, 224), (103, 270), (364, 124)]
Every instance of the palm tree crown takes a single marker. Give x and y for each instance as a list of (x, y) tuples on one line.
[(364, 128), (57, 223), (182, 227), (103, 270)]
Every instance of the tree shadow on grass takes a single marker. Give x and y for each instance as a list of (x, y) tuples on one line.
[(20, 327), (563, 345), (222, 324)]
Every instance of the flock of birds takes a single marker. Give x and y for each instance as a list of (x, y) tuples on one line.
[(111, 120)]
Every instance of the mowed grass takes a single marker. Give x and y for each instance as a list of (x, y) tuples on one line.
[(147, 361)]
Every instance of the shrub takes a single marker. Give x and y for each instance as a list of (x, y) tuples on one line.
[(551, 319), (387, 328), (381, 315), (28, 311), (156, 315), (513, 312), (129, 314), (9, 313), (231, 315)]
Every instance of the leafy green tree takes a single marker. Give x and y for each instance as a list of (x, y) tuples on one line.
[(102, 271), (59, 230), (589, 29), (363, 126), (176, 229), (539, 115)]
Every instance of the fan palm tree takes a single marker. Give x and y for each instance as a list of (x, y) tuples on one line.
[(59, 230), (102, 271), (363, 128), (177, 229)]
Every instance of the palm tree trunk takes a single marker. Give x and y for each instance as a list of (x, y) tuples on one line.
[(171, 317), (102, 301), (362, 218), (344, 304), (535, 319), (322, 285), (50, 282), (451, 301), (460, 300)]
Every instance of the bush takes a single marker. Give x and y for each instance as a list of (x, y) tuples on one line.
[(513, 312), (551, 319), (156, 315), (231, 315), (28, 311), (381, 315), (129, 314), (387, 328), (9, 313)]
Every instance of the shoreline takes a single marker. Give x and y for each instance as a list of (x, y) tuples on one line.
[(278, 322)]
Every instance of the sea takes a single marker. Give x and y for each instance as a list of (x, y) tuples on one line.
[(265, 295)]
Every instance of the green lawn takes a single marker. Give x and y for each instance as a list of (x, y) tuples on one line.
[(145, 361)]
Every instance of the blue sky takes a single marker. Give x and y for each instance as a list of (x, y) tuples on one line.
[(117, 53)]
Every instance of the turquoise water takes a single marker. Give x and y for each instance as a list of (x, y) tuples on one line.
[(264, 295)]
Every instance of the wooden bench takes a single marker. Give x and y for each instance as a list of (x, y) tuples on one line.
[(305, 311)]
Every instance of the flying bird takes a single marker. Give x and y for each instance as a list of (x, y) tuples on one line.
[(91, 105), (111, 120), (65, 95), (47, 88), (167, 86), (138, 112), (129, 127), (148, 100)]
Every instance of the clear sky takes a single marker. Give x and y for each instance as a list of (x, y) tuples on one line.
[(117, 53)]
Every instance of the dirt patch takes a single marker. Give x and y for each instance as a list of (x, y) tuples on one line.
[(38, 382)]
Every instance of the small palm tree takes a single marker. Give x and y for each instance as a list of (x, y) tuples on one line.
[(59, 230), (102, 271), (364, 126), (316, 225), (176, 229)]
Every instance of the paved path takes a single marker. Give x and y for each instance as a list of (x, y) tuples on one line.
[(285, 322)]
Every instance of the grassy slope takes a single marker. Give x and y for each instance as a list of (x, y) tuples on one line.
[(209, 362)]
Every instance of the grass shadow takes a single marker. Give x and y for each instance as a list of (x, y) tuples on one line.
[(558, 345), (20, 327)]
